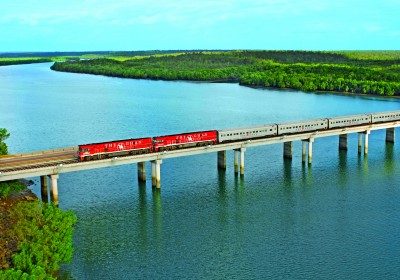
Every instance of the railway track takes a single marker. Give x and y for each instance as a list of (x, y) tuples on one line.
[(38, 159), (31, 165)]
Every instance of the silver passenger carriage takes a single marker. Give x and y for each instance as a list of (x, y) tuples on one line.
[(245, 133), (302, 126), (385, 116), (349, 120)]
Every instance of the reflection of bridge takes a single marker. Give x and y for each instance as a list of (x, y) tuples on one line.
[(54, 162)]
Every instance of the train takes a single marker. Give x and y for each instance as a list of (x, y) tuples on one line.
[(212, 137)]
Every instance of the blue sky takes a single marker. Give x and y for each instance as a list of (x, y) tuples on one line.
[(90, 25)]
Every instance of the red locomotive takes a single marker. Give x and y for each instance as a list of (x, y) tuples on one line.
[(146, 145), (185, 140), (114, 148)]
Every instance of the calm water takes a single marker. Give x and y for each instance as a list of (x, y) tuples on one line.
[(336, 219)]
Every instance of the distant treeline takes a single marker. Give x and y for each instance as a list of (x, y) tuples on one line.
[(99, 53), (301, 70), (12, 61)]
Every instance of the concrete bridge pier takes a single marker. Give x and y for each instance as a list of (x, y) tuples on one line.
[(390, 135), (359, 142), (310, 143), (54, 189), (366, 141), (141, 171), (343, 143), (242, 150), (287, 150), (222, 160), (44, 191), (236, 163), (304, 150), (156, 173)]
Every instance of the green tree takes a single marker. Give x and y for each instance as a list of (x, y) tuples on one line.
[(3, 136), (44, 235)]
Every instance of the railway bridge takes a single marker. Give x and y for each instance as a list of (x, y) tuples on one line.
[(51, 163)]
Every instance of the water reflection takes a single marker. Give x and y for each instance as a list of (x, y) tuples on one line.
[(389, 162), (287, 172), (306, 175), (142, 231), (342, 167), (157, 214), (222, 195), (362, 163)]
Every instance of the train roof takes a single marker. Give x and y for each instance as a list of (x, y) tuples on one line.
[(303, 121), (384, 113), (184, 133), (114, 141), (248, 127), (348, 116)]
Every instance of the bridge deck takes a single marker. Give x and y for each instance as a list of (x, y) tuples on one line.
[(52, 165)]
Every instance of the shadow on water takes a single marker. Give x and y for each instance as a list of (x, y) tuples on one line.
[(239, 183), (157, 213), (342, 168), (287, 174), (222, 184), (142, 195), (362, 162), (65, 274), (306, 174), (389, 162)]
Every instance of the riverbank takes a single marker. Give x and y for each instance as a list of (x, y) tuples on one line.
[(8, 244), (297, 70), (35, 237)]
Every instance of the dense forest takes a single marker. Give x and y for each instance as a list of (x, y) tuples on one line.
[(373, 72)]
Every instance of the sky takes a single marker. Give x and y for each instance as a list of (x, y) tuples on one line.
[(131, 25)]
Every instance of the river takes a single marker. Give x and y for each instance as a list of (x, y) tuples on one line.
[(338, 218)]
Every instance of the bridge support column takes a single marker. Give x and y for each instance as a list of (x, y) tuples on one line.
[(287, 150), (222, 159), (54, 189), (359, 142), (156, 173), (366, 141), (310, 143), (141, 171), (390, 135), (236, 163), (44, 191), (242, 150), (304, 153), (343, 143)]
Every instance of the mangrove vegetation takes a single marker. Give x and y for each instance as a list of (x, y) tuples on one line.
[(374, 72), (35, 237)]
